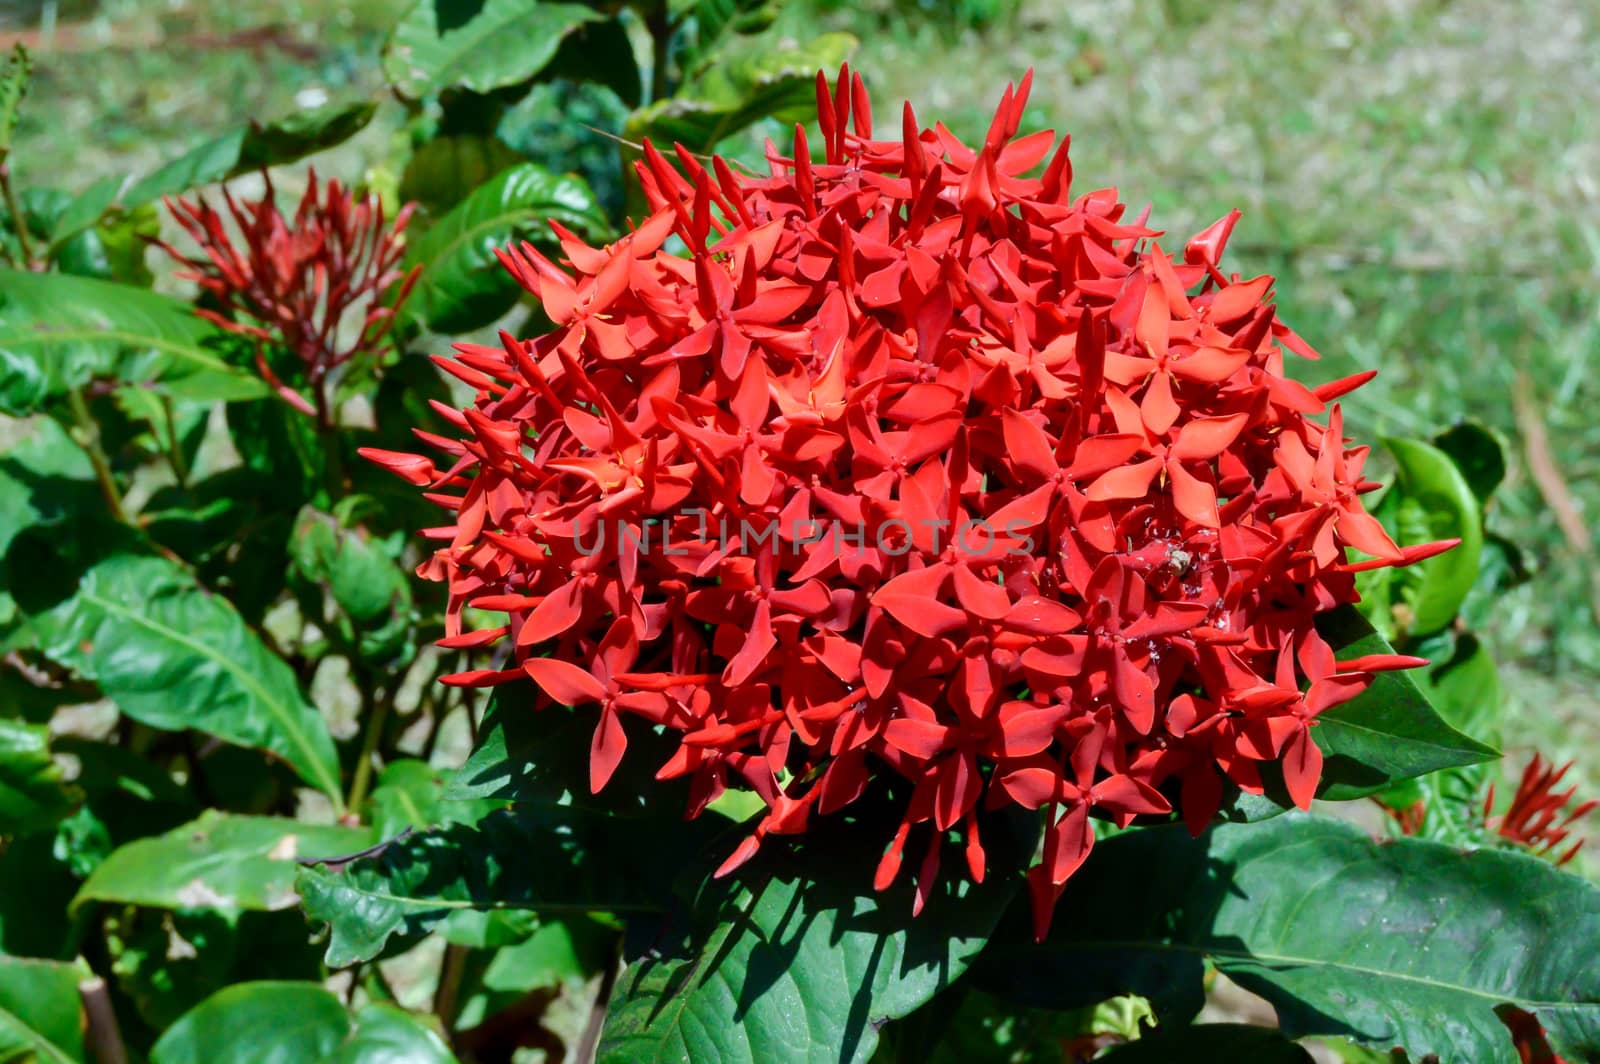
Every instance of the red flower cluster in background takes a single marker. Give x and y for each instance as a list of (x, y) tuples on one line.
[(1079, 521), (295, 281), (1539, 816)]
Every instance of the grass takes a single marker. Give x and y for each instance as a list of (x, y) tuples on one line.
[(1419, 174)]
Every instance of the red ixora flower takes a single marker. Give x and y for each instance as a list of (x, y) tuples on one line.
[(921, 466), (1539, 816), (296, 281)]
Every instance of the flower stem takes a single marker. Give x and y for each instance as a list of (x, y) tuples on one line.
[(377, 716)]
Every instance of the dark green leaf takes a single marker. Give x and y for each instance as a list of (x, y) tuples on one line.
[(505, 42), (1406, 942), (1210, 1041), (740, 89), (600, 52), (1434, 501), (463, 286), (58, 331), (167, 962), (220, 861), (796, 958), (253, 147), (38, 878), (1387, 733), (539, 858), (32, 794), (1478, 453), (173, 655), (41, 1014), (442, 172), (294, 1023)]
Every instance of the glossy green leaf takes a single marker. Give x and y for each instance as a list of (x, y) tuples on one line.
[(539, 858), (1434, 502), (462, 285), (253, 147), (739, 89), (295, 1023), (57, 332), (1210, 1041), (220, 861), (796, 958), (32, 793), (505, 42), (1389, 732), (41, 1014), (1399, 943), (173, 655)]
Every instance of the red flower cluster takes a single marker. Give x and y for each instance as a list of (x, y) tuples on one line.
[(1538, 816), (922, 466), (294, 282)]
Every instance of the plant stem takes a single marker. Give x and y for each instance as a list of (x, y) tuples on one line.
[(18, 222), (180, 467), (446, 996), (659, 23), (103, 1038), (377, 717), (87, 435)]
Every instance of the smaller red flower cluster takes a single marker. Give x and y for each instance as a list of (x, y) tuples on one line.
[(1539, 816), (923, 467), (295, 281)]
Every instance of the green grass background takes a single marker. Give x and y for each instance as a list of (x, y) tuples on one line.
[(1423, 177)]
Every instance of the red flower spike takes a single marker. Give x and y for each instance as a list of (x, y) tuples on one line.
[(325, 285), (911, 465)]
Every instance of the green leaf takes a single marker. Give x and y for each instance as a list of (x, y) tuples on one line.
[(558, 951), (45, 480), (410, 794), (32, 793), (1389, 732), (1434, 502), (1478, 453), (1405, 942), (58, 331), (253, 147), (710, 21), (444, 170), (1210, 1041), (796, 958), (462, 285), (220, 861), (505, 42), (294, 1023), (364, 582), (539, 858), (740, 89), (41, 1014), (529, 755), (173, 655)]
